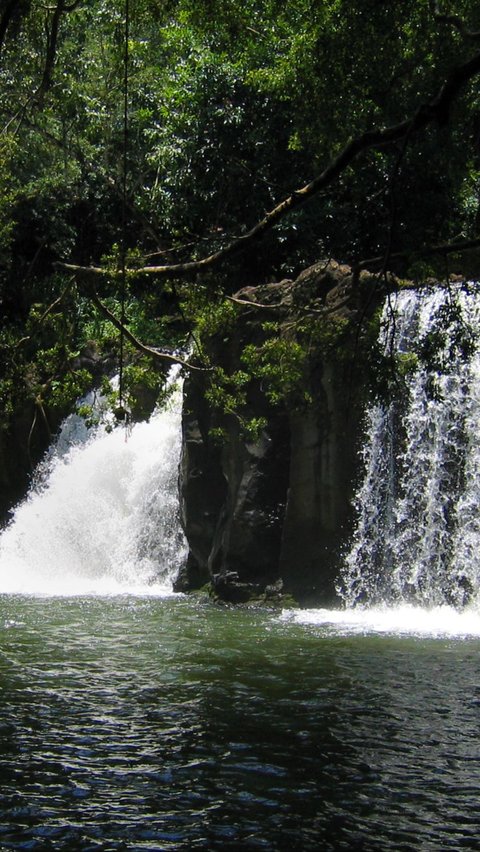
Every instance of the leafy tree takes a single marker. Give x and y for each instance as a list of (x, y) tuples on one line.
[(238, 114)]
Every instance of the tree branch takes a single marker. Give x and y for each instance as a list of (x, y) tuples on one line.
[(155, 354), (436, 110), (427, 251), (455, 21), (52, 38)]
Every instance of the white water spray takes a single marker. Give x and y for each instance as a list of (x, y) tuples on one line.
[(414, 562), (104, 517), (417, 541)]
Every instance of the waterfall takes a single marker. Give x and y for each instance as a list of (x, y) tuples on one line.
[(102, 515), (417, 538)]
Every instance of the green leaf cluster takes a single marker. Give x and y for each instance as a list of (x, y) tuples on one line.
[(279, 365)]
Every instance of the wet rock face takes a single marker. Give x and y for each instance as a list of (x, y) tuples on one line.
[(233, 500), (318, 518), (203, 486), (274, 513), (247, 539)]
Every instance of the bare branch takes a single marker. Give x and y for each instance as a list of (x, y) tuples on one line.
[(89, 271), (248, 304)]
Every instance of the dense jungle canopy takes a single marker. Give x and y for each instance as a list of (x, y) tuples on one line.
[(259, 137)]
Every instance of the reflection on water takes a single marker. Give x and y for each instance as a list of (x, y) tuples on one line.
[(142, 723)]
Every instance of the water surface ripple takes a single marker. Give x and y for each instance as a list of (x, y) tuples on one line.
[(142, 723)]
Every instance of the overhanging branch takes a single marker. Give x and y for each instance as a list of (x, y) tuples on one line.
[(442, 249), (437, 110), (155, 354)]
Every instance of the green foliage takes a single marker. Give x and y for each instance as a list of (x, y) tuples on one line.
[(63, 392), (231, 106), (8, 194), (279, 364), (144, 388), (451, 338), (407, 363), (215, 318), (228, 395), (326, 336), (38, 365)]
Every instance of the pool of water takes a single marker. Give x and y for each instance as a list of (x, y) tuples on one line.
[(169, 724)]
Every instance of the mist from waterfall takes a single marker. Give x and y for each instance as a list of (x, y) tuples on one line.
[(102, 516)]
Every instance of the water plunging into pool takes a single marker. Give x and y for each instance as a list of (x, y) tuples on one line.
[(418, 533), (414, 561), (102, 516)]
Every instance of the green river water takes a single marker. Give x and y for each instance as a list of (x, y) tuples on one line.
[(166, 723)]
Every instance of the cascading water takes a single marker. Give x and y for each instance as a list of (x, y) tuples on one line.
[(414, 562), (418, 531), (102, 517)]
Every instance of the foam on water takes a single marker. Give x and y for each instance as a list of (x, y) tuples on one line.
[(403, 620)]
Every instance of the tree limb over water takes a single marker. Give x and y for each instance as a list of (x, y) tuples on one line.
[(155, 354), (443, 249), (436, 111)]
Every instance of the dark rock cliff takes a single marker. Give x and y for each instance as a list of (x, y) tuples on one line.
[(21, 447), (270, 516)]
